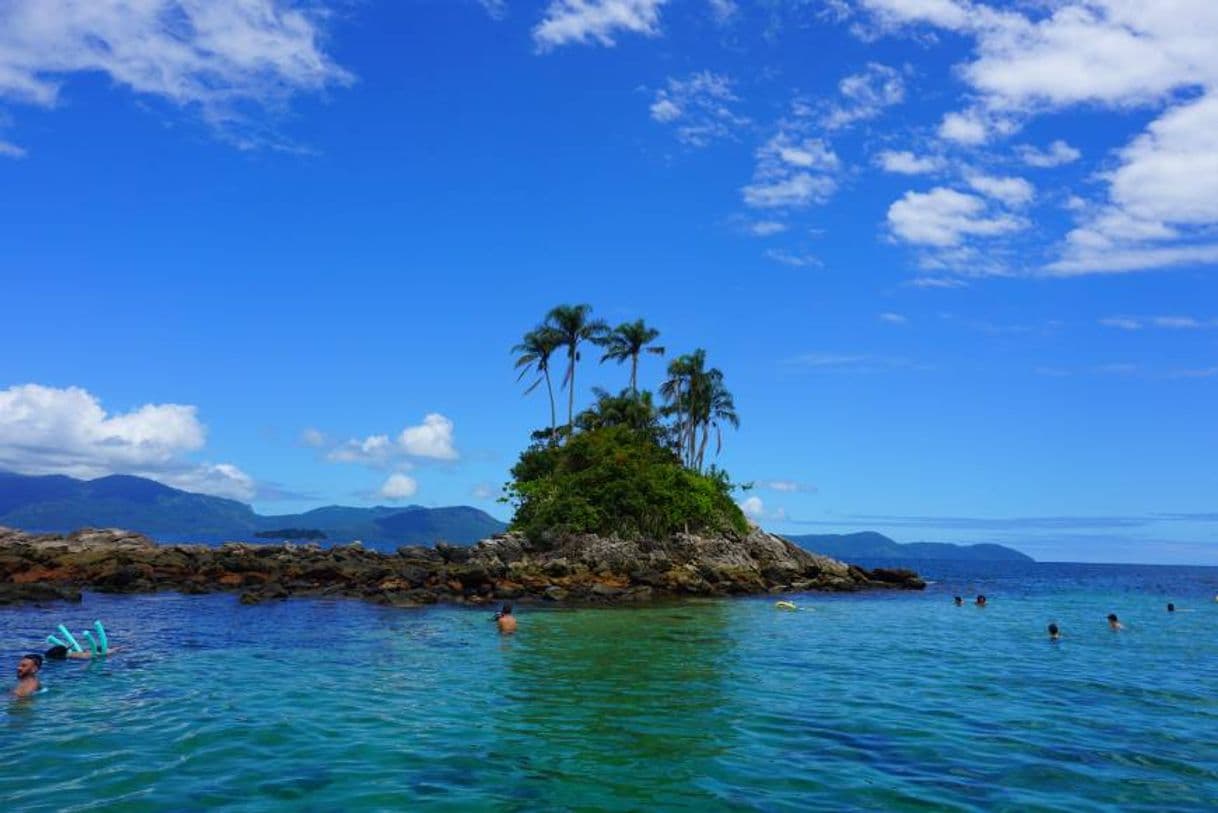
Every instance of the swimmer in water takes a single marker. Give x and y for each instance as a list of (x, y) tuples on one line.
[(1171, 608), (959, 601), (62, 653), (505, 620), (1054, 633), (27, 675), (1114, 623), (980, 601)]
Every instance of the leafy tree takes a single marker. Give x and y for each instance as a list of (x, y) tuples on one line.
[(629, 340), (535, 350), (574, 326)]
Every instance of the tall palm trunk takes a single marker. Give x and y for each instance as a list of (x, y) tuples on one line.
[(553, 412), (571, 356), (634, 374)]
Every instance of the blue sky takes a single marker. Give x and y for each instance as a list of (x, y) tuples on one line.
[(956, 259)]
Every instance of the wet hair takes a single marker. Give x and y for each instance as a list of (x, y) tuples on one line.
[(1112, 617), (57, 653), (980, 598), (1171, 608), (507, 609), (958, 600), (1053, 629), (35, 657)]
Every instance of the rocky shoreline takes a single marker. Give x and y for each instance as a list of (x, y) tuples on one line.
[(576, 570)]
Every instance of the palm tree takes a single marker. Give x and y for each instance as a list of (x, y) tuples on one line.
[(535, 350), (628, 341), (701, 404), (573, 326)]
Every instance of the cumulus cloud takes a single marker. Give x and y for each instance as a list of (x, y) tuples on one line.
[(217, 57), (699, 108), (398, 486), (752, 506), (48, 430), (865, 95), (433, 439), (1112, 53), (903, 162), (944, 218), (596, 21), (1057, 153), (723, 10), (497, 9)]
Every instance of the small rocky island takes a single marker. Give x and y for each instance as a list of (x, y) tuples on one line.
[(578, 570)]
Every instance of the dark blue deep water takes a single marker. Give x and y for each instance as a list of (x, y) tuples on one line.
[(879, 701)]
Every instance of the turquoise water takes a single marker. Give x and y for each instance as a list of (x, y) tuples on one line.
[(877, 701)]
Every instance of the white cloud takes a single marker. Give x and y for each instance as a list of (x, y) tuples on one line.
[(484, 491), (784, 257), (1011, 191), (903, 162), (788, 486), (47, 430), (1167, 322), (753, 507), (10, 150), (216, 57), (1119, 54), (398, 487), (723, 10), (1057, 153), (700, 108), (944, 217), (313, 437), (766, 228), (598, 21), (937, 282), (432, 440), (865, 95), (894, 318), (497, 9), (964, 128), (784, 177), (1122, 322)]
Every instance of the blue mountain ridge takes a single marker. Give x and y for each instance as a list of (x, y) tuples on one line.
[(871, 546), (56, 503)]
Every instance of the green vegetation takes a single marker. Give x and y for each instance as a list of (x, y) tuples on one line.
[(623, 466), (292, 533)]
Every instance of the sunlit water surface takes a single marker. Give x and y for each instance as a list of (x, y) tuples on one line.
[(870, 701)]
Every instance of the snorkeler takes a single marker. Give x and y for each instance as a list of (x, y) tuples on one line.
[(27, 675), (980, 601), (1054, 633), (1114, 623), (958, 601), (505, 620)]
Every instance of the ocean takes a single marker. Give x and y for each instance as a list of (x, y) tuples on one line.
[(871, 701)]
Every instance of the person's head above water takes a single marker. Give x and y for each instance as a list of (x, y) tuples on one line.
[(56, 653), (958, 600), (1112, 617), (1054, 632), (980, 601), (1171, 608), (28, 666), (506, 609)]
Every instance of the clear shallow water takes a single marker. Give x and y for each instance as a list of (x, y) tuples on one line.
[(877, 701)]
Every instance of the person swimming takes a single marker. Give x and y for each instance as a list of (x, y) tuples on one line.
[(958, 601), (62, 653), (980, 601), (27, 675), (1171, 608), (1054, 633), (1114, 623), (505, 620)]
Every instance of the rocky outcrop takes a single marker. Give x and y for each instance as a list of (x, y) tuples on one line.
[(577, 569)]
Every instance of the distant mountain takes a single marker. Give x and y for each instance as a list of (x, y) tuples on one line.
[(58, 503), (872, 546)]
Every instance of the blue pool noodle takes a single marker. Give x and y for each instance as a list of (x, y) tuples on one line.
[(92, 643), (101, 637), (75, 646)]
